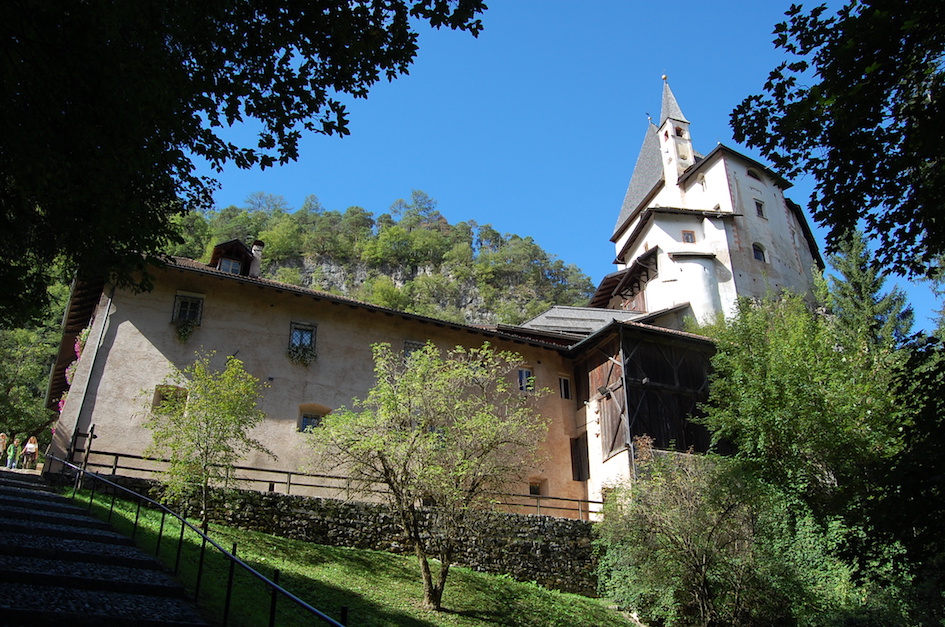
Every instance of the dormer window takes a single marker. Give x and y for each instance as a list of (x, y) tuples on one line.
[(231, 266)]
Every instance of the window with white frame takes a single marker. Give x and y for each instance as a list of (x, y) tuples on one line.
[(758, 251), (564, 387), (231, 266), (760, 208)]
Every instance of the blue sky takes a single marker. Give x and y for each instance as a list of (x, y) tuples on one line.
[(535, 126)]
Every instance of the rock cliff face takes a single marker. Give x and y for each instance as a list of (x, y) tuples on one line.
[(426, 290)]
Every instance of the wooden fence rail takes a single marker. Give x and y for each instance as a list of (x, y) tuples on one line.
[(326, 485)]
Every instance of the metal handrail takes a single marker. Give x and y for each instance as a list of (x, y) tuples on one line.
[(81, 474), (582, 507)]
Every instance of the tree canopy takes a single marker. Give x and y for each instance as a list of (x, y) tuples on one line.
[(440, 433), (860, 106), (200, 420), (106, 105), (410, 259)]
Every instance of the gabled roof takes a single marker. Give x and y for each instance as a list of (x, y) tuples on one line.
[(647, 178), (721, 149), (648, 214)]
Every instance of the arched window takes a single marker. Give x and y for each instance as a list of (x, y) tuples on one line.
[(752, 174), (759, 253), (311, 414), (679, 131)]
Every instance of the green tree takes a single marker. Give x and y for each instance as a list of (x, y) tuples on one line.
[(443, 429), (107, 105), (859, 104), (697, 540), (805, 412), (866, 318), (202, 423), (25, 356)]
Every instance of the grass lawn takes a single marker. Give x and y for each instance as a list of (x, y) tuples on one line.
[(379, 589)]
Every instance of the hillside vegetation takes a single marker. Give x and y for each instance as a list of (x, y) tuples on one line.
[(410, 259)]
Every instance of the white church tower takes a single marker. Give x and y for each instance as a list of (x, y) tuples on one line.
[(696, 232)]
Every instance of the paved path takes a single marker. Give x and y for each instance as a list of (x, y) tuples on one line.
[(60, 566)]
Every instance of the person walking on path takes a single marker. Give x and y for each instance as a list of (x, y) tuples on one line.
[(13, 454), (29, 453), (3, 446)]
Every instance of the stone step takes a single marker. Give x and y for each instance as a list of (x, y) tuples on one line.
[(61, 566), (34, 604)]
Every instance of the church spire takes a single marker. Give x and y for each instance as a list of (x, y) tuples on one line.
[(674, 132), (670, 109)]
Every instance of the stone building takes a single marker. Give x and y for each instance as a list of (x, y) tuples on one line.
[(695, 231), (693, 234)]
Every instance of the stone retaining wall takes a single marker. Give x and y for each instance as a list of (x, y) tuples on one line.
[(554, 552)]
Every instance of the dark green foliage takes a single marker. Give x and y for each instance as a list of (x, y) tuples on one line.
[(25, 356), (834, 406), (860, 105), (416, 261), (907, 504), (697, 541), (106, 104)]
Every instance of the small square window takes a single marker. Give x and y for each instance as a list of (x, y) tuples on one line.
[(526, 379), (301, 343), (410, 347), (564, 387), (302, 336), (689, 237), (231, 266), (760, 208), (309, 421), (165, 395), (188, 308)]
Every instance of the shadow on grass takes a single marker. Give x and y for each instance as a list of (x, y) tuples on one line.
[(251, 599)]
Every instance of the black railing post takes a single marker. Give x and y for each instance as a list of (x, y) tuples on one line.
[(344, 614), (275, 595), (92, 495), (157, 548), (203, 550), (180, 545), (229, 588), (111, 506), (134, 530)]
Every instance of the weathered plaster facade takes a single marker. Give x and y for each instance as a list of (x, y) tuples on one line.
[(133, 346)]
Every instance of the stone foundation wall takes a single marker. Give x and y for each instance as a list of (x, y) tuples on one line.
[(555, 552)]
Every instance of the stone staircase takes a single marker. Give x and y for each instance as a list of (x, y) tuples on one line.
[(61, 566)]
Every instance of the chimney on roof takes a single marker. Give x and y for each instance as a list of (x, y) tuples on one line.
[(257, 258)]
